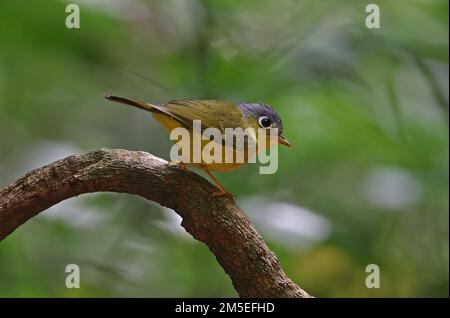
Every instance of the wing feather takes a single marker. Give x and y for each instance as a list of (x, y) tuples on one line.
[(212, 113)]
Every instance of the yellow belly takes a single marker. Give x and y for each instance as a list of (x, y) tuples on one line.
[(169, 123)]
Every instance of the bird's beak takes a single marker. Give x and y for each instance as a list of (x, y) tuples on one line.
[(284, 142)]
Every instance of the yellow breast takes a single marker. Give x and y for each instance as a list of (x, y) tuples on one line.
[(170, 123)]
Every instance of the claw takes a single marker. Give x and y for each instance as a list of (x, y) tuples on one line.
[(222, 192), (178, 164)]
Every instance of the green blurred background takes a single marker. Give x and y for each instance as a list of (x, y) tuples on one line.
[(367, 110)]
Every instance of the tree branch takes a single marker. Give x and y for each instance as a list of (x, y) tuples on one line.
[(218, 222)]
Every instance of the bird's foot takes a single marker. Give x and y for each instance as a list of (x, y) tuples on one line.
[(178, 164)]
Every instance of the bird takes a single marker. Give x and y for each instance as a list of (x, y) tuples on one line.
[(218, 114)]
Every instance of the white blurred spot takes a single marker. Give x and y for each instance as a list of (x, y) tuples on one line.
[(41, 153), (392, 188), (35, 155), (75, 213), (172, 223), (287, 223)]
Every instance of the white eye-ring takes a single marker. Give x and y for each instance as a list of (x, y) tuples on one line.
[(264, 122)]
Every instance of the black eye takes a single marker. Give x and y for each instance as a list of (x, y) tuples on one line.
[(264, 121)]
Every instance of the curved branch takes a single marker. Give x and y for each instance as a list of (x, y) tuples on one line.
[(218, 222)]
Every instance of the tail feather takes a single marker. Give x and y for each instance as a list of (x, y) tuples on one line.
[(135, 103)]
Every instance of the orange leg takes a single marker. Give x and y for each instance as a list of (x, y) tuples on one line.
[(222, 190)]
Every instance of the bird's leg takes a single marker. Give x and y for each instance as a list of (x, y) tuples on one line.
[(222, 191), (179, 164)]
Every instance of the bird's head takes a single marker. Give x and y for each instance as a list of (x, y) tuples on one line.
[(265, 117)]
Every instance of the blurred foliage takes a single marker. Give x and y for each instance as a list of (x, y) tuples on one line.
[(367, 110)]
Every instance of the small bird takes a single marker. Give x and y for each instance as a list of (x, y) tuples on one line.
[(213, 114)]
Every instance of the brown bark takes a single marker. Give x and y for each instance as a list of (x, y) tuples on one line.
[(216, 221)]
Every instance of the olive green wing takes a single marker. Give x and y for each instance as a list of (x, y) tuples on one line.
[(212, 113)]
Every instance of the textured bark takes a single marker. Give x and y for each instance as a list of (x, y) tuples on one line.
[(216, 221)]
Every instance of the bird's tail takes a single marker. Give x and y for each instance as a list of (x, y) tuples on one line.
[(135, 103)]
